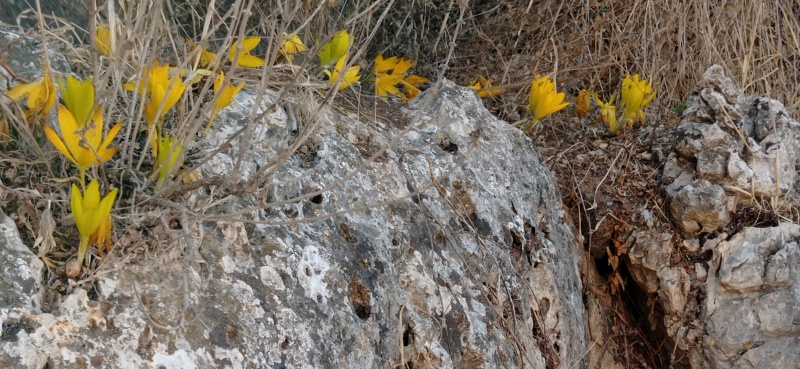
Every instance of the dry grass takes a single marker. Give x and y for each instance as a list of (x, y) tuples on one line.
[(582, 44)]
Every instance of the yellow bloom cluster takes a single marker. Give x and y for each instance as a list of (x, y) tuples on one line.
[(636, 94), (81, 142)]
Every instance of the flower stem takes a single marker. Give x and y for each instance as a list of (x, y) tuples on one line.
[(83, 179), (82, 249)]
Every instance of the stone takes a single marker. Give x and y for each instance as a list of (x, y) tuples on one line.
[(476, 269), (700, 207), (24, 55), (752, 306)]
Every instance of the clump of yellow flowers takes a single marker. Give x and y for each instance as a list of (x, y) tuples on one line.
[(636, 93), (82, 143)]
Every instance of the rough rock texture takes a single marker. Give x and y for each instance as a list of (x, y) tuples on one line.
[(24, 55), (477, 270), (23, 12), (744, 146), (729, 292)]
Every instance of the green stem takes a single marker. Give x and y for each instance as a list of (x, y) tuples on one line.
[(82, 249)]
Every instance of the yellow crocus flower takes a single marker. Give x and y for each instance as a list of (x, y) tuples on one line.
[(350, 76), (245, 59), (292, 45), (78, 96), (608, 113), (169, 149), (543, 99), (164, 92), (41, 95), (335, 49), (83, 146), (386, 75), (411, 86), (89, 212), (225, 94), (206, 57), (636, 94), (102, 40)]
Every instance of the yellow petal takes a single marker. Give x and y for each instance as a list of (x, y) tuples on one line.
[(335, 49), (52, 136), (250, 61), (20, 91), (103, 40)]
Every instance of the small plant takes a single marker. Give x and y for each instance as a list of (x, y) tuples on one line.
[(348, 78), (334, 50), (225, 92), (543, 100), (90, 212), (102, 40), (636, 94), (83, 145), (582, 103), (239, 54), (169, 157), (291, 46), (608, 113)]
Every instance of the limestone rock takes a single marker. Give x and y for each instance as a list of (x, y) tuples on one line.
[(753, 305), (743, 144), (700, 207), (729, 300), (478, 268)]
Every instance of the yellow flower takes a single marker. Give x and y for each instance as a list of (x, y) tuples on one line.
[(164, 91), (292, 45), (335, 49), (483, 87), (636, 94), (350, 76), (83, 146), (169, 150), (245, 59), (41, 95), (102, 40), (543, 99), (387, 76), (411, 86), (582, 103), (89, 212), (226, 94), (78, 96), (608, 113), (388, 73), (206, 57)]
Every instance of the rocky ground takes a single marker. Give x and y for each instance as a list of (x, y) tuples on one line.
[(463, 244)]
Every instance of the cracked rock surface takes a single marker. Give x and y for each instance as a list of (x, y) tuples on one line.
[(729, 291), (461, 258)]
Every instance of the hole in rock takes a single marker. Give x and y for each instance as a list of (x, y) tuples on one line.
[(360, 297)]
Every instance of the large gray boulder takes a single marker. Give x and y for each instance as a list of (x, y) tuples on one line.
[(451, 250)]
